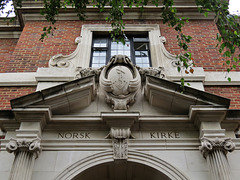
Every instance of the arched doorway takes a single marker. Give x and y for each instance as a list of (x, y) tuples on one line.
[(102, 164), (121, 170)]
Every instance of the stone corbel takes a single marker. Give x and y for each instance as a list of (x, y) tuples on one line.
[(30, 145), (120, 138)]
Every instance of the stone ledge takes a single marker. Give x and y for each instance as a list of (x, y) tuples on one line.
[(18, 79), (220, 78)]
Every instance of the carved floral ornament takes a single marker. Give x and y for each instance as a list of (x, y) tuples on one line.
[(31, 145), (120, 138), (208, 145)]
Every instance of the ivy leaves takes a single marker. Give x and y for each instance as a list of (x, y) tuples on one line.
[(229, 30)]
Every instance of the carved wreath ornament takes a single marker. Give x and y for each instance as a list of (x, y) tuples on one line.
[(120, 81)]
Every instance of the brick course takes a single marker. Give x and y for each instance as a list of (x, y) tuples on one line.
[(231, 92), (8, 93), (7, 47), (30, 53)]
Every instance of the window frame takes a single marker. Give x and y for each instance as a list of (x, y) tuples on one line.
[(131, 39), (154, 35)]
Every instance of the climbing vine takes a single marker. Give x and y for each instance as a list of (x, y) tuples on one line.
[(228, 36)]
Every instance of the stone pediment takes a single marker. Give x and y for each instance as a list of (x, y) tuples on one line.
[(118, 89), (61, 99), (171, 97)]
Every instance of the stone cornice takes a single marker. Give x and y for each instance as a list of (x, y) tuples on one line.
[(56, 75), (33, 114), (30, 11), (199, 114)]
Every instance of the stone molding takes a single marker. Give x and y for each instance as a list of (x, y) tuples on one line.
[(208, 113), (209, 145), (133, 156), (10, 34), (30, 145), (53, 75)]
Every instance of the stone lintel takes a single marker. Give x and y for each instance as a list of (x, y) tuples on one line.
[(120, 120)]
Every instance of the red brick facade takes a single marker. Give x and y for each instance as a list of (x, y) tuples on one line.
[(231, 92), (7, 47), (28, 53), (8, 93), (31, 53)]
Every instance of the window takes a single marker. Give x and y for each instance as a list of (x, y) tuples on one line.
[(136, 48)]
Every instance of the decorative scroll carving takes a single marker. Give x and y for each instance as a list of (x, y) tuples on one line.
[(59, 60), (224, 144), (83, 72), (120, 142), (120, 81), (66, 61), (30, 145)]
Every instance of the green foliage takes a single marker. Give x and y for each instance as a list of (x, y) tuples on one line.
[(228, 38)]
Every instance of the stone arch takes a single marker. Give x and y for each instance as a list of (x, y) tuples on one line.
[(133, 156)]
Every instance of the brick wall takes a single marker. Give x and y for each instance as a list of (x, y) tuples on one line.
[(31, 53), (7, 47), (8, 93), (202, 46), (28, 53), (232, 93)]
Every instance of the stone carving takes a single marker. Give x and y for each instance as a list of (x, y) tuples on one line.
[(162, 39), (120, 133), (59, 61), (83, 72), (78, 40), (66, 61), (120, 81), (120, 149), (208, 145), (30, 145), (120, 142), (152, 71)]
